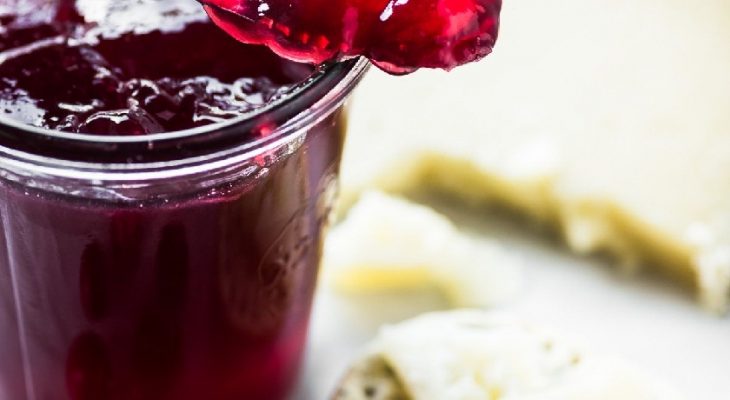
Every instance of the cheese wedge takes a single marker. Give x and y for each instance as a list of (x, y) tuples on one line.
[(387, 243), (607, 119), (472, 355)]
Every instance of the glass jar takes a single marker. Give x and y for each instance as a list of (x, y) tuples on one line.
[(171, 266)]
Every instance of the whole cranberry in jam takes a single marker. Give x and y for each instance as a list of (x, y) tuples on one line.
[(398, 36)]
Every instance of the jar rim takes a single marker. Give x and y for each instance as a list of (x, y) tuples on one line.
[(304, 106)]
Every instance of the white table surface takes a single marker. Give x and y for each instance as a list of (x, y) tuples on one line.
[(645, 319)]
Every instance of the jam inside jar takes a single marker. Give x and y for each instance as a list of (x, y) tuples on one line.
[(163, 195)]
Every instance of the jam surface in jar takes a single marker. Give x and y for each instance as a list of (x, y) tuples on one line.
[(102, 67)]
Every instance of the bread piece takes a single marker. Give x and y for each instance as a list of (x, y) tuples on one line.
[(467, 355), (606, 119), (388, 243)]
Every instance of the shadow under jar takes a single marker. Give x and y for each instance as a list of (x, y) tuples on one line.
[(169, 266)]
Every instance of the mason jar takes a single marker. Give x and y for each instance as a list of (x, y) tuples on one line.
[(176, 266)]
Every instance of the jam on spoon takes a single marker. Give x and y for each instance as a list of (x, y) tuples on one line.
[(398, 36)]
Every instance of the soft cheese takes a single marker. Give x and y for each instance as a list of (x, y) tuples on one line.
[(472, 355), (608, 119), (388, 243)]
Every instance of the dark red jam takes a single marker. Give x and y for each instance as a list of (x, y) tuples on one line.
[(186, 289), (398, 36), (110, 70)]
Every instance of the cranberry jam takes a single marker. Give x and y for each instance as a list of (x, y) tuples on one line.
[(398, 36), (105, 69), (177, 283)]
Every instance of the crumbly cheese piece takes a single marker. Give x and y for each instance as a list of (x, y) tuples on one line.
[(472, 355), (606, 118), (387, 243)]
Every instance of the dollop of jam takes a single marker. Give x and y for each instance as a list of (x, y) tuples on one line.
[(399, 36), (130, 67)]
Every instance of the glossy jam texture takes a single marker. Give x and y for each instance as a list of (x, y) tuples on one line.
[(130, 68), (399, 36)]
